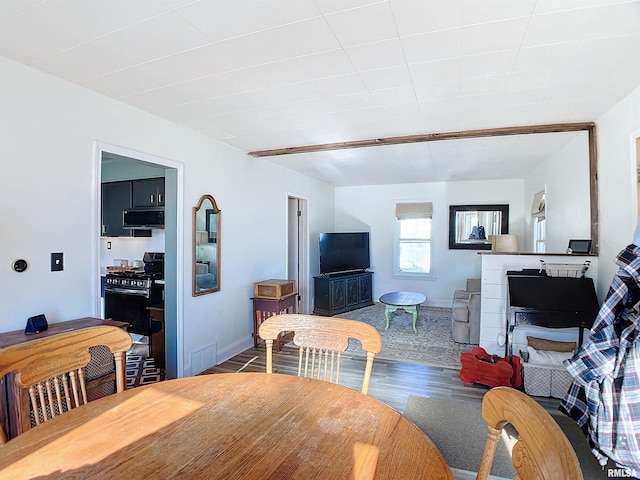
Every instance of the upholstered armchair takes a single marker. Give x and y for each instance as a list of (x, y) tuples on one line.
[(465, 317)]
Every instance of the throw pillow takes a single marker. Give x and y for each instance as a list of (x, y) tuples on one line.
[(545, 357), (550, 345)]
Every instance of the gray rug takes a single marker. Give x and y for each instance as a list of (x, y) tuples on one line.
[(432, 345), (459, 432)]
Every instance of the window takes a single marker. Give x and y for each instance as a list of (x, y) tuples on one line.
[(538, 208), (539, 235), (412, 246)]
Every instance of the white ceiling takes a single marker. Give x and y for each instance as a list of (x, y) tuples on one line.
[(264, 74)]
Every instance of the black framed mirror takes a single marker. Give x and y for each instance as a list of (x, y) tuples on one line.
[(471, 226), (206, 246)]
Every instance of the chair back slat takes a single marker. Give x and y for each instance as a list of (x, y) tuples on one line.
[(52, 368), (320, 342)]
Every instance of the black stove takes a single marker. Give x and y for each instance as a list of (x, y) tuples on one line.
[(138, 281), (127, 294)]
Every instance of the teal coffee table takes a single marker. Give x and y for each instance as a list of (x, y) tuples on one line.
[(407, 301)]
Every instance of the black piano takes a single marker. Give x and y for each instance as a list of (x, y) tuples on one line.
[(552, 302)]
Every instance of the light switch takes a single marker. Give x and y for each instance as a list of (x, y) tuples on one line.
[(56, 262)]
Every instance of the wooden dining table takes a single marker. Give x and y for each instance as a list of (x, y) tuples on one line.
[(227, 426)]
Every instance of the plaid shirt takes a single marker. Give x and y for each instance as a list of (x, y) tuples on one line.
[(604, 397)]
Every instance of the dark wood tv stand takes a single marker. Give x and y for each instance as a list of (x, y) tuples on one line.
[(342, 292)]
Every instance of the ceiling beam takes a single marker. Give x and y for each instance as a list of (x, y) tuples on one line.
[(427, 137)]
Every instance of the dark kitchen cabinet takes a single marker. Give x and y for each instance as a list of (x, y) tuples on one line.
[(119, 196), (342, 293), (148, 193), (116, 197)]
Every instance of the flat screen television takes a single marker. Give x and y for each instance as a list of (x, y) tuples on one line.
[(342, 252)]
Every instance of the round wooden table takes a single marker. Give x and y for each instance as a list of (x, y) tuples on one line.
[(227, 426), (407, 301)]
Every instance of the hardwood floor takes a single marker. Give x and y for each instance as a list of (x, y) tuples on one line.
[(392, 382)]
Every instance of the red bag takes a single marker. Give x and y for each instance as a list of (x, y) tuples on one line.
[(490, 370)]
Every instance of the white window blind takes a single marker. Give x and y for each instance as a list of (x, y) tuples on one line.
[(414, 210)]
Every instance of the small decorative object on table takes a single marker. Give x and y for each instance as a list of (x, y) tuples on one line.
[(36, 324)]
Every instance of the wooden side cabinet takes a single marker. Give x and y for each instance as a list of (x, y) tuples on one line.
[(342, 293), (15, 408), (264, 308)]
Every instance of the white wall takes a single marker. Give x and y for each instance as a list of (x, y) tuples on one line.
[(567, 211), (48, 130), (617, 130), (372, 208)]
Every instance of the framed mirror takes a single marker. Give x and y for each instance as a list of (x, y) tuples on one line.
[(206, 246), (470, 226)]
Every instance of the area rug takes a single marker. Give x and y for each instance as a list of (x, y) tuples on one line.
[(459, 432), (142, 370), (432, 345)]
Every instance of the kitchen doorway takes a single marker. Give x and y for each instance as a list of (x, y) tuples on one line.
[(113, 164), (298, 249)]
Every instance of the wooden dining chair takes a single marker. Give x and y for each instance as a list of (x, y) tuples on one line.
[(52, 368), (321, 341), (542, 449)]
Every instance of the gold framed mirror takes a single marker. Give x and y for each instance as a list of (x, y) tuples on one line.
[(206, 246)]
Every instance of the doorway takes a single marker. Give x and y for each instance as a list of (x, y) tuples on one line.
[(114, 163), (298, 249)]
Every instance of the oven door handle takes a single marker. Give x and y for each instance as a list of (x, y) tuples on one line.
[(127, 291)]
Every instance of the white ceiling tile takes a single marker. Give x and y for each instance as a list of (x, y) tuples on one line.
[(614, 50), (222, 20), (561, 27), (491, 37), (415, 17), (437, 90), (487, 11), (11, 8), (494, 63), (482, 85), (440, 70), (429, 47), (311, 36), (545, 56), (368, 24), (69, 24), (373, 56), (160, 36), (522, 97), (529, 80), (386, 78), (551, 6), (333, 6)]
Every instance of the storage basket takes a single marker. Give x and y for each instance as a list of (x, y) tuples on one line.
[(570, 270), (546, 380)]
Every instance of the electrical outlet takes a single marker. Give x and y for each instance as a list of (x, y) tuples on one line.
[(57, 262)]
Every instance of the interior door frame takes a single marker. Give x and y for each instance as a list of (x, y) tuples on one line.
[(174, 249), (298, 247)]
